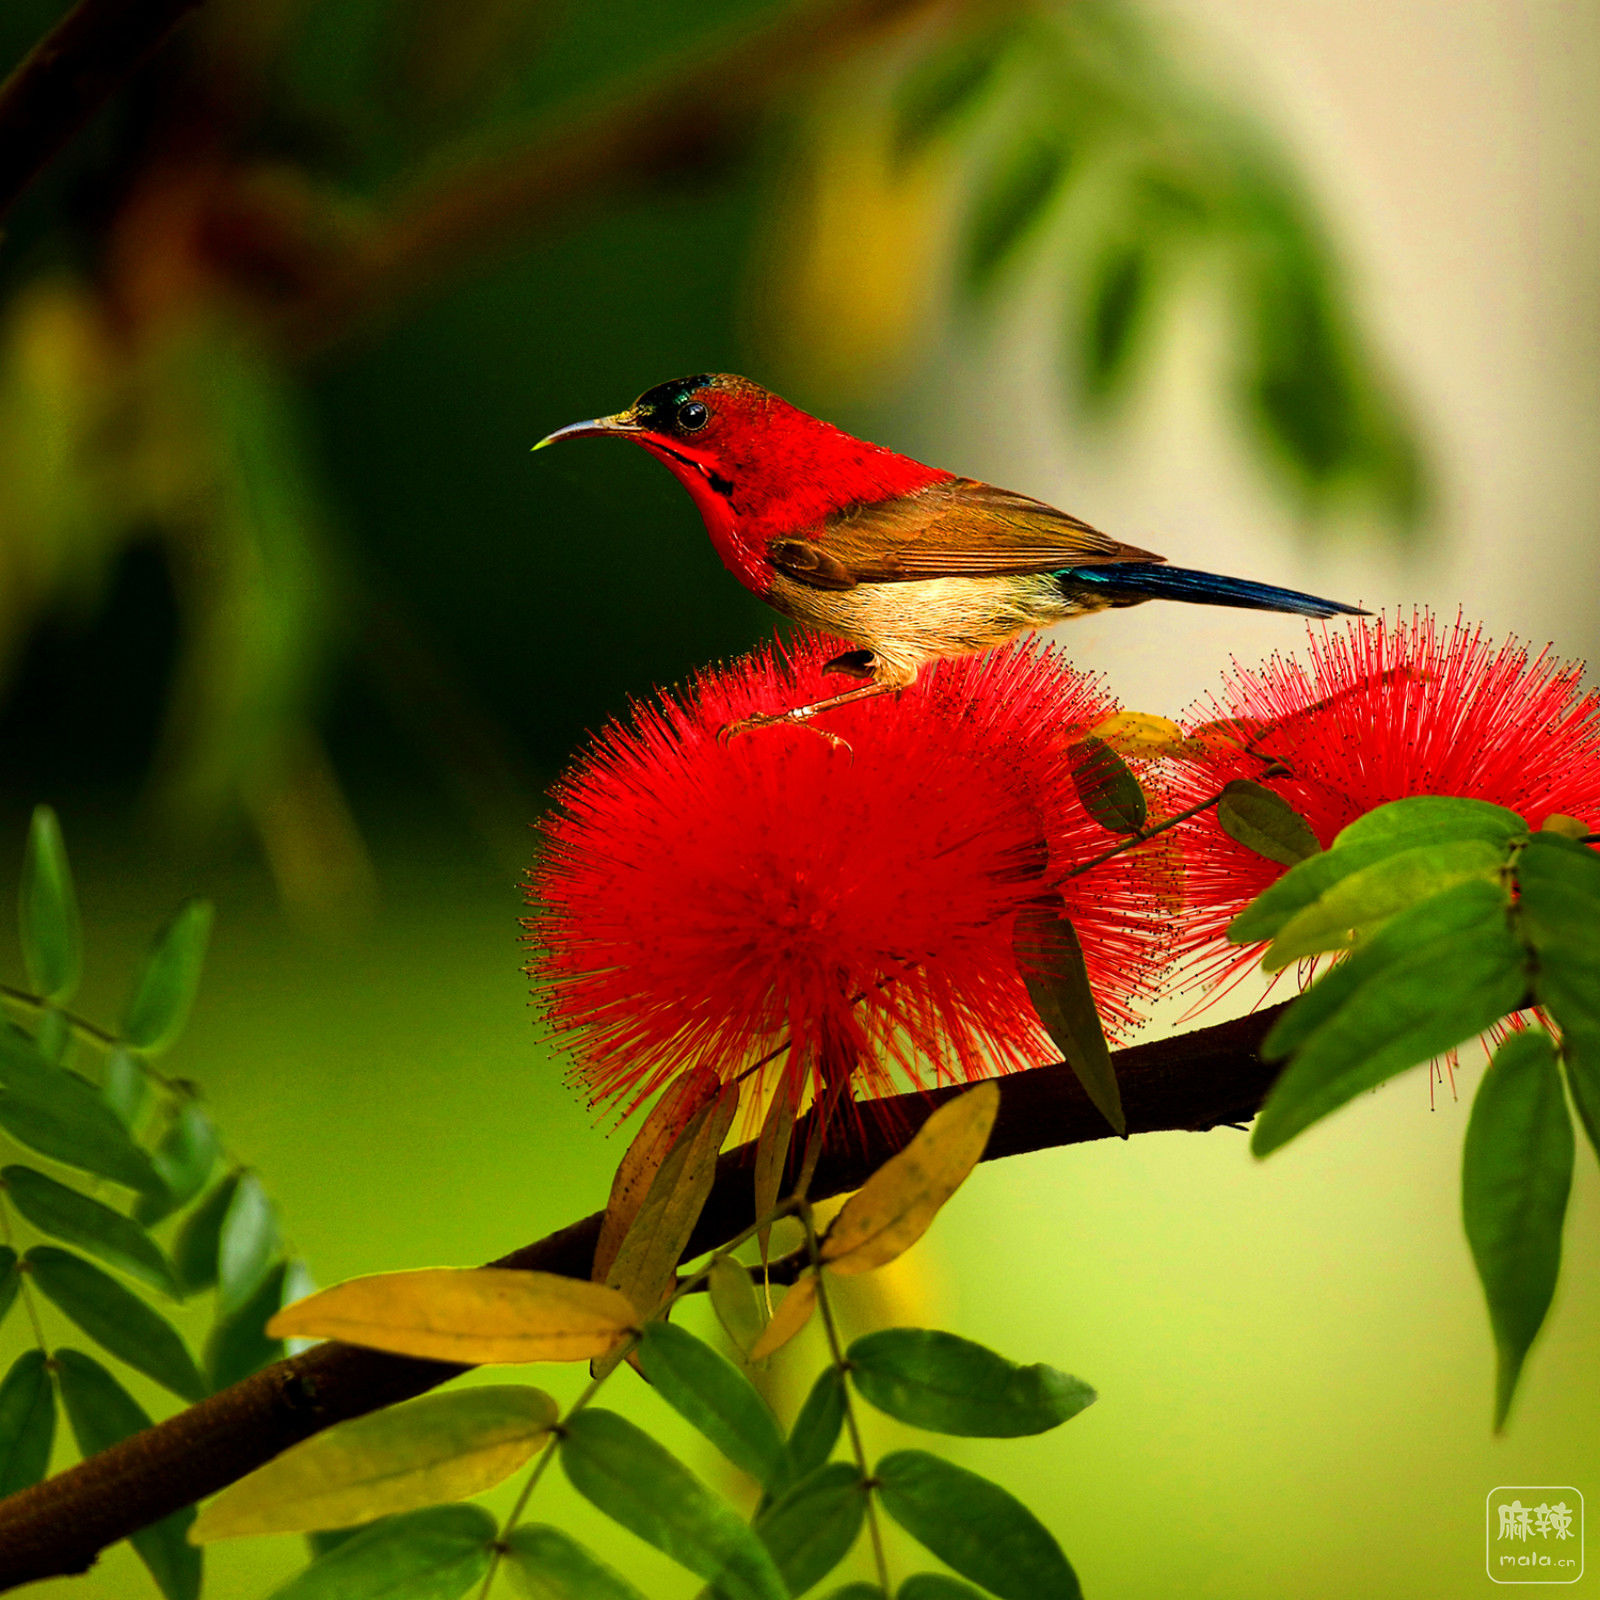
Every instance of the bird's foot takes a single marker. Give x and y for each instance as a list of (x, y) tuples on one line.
[(799, 718)]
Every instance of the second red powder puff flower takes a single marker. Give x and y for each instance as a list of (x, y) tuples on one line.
[(701, 902)]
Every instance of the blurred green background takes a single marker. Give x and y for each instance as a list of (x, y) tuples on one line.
[(289, 616)]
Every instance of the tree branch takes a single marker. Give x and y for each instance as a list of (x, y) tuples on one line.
[(1197, 1081), (70, 74)]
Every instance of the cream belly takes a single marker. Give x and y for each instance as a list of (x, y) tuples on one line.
[(905, 624)]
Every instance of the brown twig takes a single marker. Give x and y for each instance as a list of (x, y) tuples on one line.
[(70, 74), (1201, 1080)]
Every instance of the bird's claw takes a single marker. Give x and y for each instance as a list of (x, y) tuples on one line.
[(774, 719)]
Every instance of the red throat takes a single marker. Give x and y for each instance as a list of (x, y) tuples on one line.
[(766, 470)]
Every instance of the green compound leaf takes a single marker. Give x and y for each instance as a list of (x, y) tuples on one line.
[(620, 1469), (184, 1158), (1107, 787), (10, 1279), (52, 931), (545, 1564), (936, 1586), (1263, 821), (816, 1430), (65, 1117), (164, 991), (948, 1384), (1050, 959), (116, 1319), (437, 1554), (239, 1343), (63, 1213), (975, 1526), (1012, 199), (810, 1529), (247, 1244), (1429, 978), (103, 1413), (27, 1422), (1422, 821), (1360, 903), (712, 1395), (1515, 1176), (437, 1448), (194, 1251), (1560, 916), (125, 1086)]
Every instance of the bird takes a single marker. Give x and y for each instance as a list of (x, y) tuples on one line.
[(907, 562)]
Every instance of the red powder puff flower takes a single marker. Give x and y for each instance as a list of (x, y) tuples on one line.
[(1385, 710), (701, 902)]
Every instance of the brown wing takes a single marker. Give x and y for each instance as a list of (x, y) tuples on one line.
[(962, 528)]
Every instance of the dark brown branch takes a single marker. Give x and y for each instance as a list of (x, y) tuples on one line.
[(1198, 1081), (70, 74), (675, 125)]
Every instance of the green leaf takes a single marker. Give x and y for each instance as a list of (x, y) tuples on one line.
[(63, 1116), (52, 1034), (620, 1469), (1012, 199), (125, 1086), (184, 1158), (27, 1422), (52, 931), (546, 1564), (856, 1591), (936, 1586), (116, 1319), (436, 1448), (247, 1244), (1263, 821), (1050, 959), (1422, 820), (1429, 978), (194, 1251), (935, 94), (816, 1430), (813, 1526), (712, 1395), (63, 1213), (1119, 300), (975, 1526), (238, 1343), (10, 1279), (1107, 787), (1363, 900), (1515, 1176), (103, 1413), (1559, 912), (733, 1298), (437, 1554), (164, 991), (948, 1384)]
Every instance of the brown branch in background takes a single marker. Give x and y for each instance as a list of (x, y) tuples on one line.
[(70, 74), (1197, 1081), (681, 124)]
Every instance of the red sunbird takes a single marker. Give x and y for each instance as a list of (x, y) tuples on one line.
[(907, 561)]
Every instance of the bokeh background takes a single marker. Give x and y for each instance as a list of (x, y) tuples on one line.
[(290, 617)]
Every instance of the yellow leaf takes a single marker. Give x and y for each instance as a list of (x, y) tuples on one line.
[(1567, 827), (894, 1207), (793, 1313), (471, 1314), (772, 1153), (647, 1260), (1141, 733), (441, 1447), (677, 1106)]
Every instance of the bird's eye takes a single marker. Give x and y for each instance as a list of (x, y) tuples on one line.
[(692, 416)]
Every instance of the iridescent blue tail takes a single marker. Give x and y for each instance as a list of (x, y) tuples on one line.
[(1126, 583)]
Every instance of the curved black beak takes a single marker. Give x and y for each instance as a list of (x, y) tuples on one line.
[(625, 423)]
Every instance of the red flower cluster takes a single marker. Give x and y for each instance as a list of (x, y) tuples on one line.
[(1383, 711), (849, 911)]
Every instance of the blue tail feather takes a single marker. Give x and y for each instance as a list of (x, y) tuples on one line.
[(1126, 583)]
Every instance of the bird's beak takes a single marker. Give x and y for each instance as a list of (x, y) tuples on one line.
[(624, 423)]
